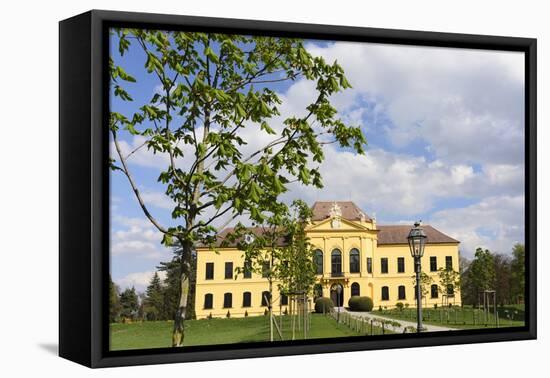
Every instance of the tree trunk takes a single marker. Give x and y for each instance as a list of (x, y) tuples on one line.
[(178, 333), (270, 309)]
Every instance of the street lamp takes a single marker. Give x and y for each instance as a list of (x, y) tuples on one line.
[(417, 241)]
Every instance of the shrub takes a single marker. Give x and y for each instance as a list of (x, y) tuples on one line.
[(266, 312), (246, 313), (357, 303), (409, 329), (323, 305), (286, 311), (228, 315), (379, 308), (399, 306), (435, 305)]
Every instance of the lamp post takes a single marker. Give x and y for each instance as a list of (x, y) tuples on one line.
[(338, 289), (417, 241)]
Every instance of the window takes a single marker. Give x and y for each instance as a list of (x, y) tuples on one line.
[(400, 265), (385, 293), (247, 299), (227, 300), (208, 300), (318, 259), (384, 265), (433, 263), (449, 262), (265, 269), (354, 261), (209, 271), (228, 270), (265, 298), (247, 270), (355, 289), (401, 292), (450, 290), (369, 265), (284, 300), (433, 291), (317, 291), (336, 259)]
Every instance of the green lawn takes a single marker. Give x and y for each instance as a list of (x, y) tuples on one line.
[(218, 331), (457, 317)]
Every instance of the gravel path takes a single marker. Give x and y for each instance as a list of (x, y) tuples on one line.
[(404, 323)]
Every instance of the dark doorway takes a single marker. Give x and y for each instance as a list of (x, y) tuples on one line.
[(337, 298)]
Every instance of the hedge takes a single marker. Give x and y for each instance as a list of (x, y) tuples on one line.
[(323, 305), (357, 303)]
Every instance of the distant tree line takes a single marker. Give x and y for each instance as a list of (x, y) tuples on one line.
[(160, 298), (494, 271)]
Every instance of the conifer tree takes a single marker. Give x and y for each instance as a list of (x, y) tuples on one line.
[(114, 301), (154, 299), (129, 303)]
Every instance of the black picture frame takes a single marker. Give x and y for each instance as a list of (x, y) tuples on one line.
[(83, 180)]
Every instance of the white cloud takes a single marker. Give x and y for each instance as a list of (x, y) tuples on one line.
[(130, 221), (157, 199), (142, 156), (397, 185), (466, 104), (136, 238), (139, 280), (495, 223)]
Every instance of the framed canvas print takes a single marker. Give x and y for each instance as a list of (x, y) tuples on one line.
[(234, 188)]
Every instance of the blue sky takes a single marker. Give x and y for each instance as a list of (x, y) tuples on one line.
[(445, 145)]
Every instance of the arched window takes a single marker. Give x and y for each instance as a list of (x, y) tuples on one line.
[(317, 291), (265, 298), (385, 293), (369, 265), (354, 261), (318, 259), (208, 300), (401, 292), (355, 289), (227, 300), (284, 299), (247, 299), (336, 260), (450, 290), (434, 291)]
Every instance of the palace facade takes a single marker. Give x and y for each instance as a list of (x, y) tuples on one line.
[(351, 252)]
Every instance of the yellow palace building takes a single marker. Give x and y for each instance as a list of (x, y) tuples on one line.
[(351, 251)]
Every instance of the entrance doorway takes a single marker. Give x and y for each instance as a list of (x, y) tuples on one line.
[(337, 298)]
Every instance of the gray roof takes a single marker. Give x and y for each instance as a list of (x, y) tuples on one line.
[(226, 233), (397, 234)]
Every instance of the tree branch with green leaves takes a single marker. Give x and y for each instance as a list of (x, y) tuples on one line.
[(213, 89)]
